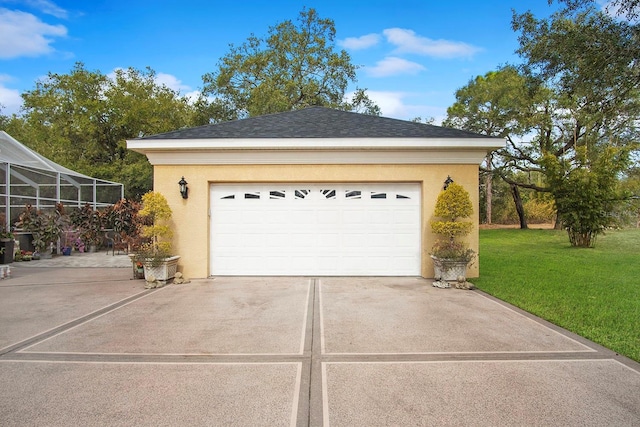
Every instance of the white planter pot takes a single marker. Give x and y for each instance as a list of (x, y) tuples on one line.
[(163, 272), (448, 269)]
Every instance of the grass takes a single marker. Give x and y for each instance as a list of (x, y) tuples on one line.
[(593, 292)]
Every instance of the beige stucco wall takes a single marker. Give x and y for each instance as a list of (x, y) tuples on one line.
[(191, 216)]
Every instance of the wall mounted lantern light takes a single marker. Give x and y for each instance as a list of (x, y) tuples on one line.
[(184, 190), (447, 182)]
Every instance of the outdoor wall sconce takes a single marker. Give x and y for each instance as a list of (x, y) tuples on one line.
[(184, 190), (447, 182)]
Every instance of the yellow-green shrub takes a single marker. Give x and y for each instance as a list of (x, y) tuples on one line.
[(540, 210), (156, 209), (452, 204)]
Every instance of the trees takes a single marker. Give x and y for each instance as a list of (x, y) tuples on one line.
[(294, 66), (495, 105), (630, 9), (586, 195), (82, 119), (576, 100), (588, 64)]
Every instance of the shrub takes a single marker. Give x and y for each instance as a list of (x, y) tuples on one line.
[(452, 205), (539, 211), (157, 212)]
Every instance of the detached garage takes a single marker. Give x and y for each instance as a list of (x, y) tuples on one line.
[(316, 192)]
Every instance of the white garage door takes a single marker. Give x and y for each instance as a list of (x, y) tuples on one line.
[(315, 229)]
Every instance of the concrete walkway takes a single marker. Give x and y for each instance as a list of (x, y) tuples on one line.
[(77, 259), (90, 346)]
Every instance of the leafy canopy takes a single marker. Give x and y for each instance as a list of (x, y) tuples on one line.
[(588, 63), (575, 100), (82, 120), (628, 9), (586, 196), (294, 66), (490, 104)]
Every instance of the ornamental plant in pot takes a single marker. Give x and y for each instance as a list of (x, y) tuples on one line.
[(89, 224), (46, 227), (155, 254), (6, 242), (124, 219), (450, 255)]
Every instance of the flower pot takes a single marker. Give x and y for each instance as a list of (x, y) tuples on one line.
[(163, 272), (449, 269), (66, 251), (25, 239), (6, 251)]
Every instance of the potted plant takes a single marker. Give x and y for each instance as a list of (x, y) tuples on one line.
[(138, 270), (124, 219), (450, 255), (6, 242), (89, 225), (155, 255), (46, 227), (69, 241)]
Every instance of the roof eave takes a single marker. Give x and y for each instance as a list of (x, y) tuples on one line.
[(181, 145)]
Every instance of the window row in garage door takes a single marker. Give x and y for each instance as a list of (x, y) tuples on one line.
[(315, 229)]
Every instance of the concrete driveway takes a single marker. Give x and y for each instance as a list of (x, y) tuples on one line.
[(89, 346)]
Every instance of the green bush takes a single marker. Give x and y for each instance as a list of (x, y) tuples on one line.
[(453, 204)]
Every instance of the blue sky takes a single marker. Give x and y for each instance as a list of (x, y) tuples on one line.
[(413, 54)]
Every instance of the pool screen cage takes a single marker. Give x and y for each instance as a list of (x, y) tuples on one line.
[(27, 178)]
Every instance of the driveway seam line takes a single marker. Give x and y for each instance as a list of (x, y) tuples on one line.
[(29, 342), (316, 389)]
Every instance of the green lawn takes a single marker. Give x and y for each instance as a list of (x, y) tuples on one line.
[(592, 292)]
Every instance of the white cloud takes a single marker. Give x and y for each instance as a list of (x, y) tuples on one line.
[(171, 81), (164, 79), (357, 43), (44, 6), (608, 6), (614, 10), (395, 105), (10, 100), (23, 34), (407, 41), (48, 7), (193, 96), (390, 103), (391, 66)]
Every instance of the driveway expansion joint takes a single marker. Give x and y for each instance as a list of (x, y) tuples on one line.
[(19, 346)]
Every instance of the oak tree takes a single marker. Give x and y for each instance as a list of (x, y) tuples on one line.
[(294, 66)]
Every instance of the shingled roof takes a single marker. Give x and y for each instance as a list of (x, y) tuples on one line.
[(316, 122)]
